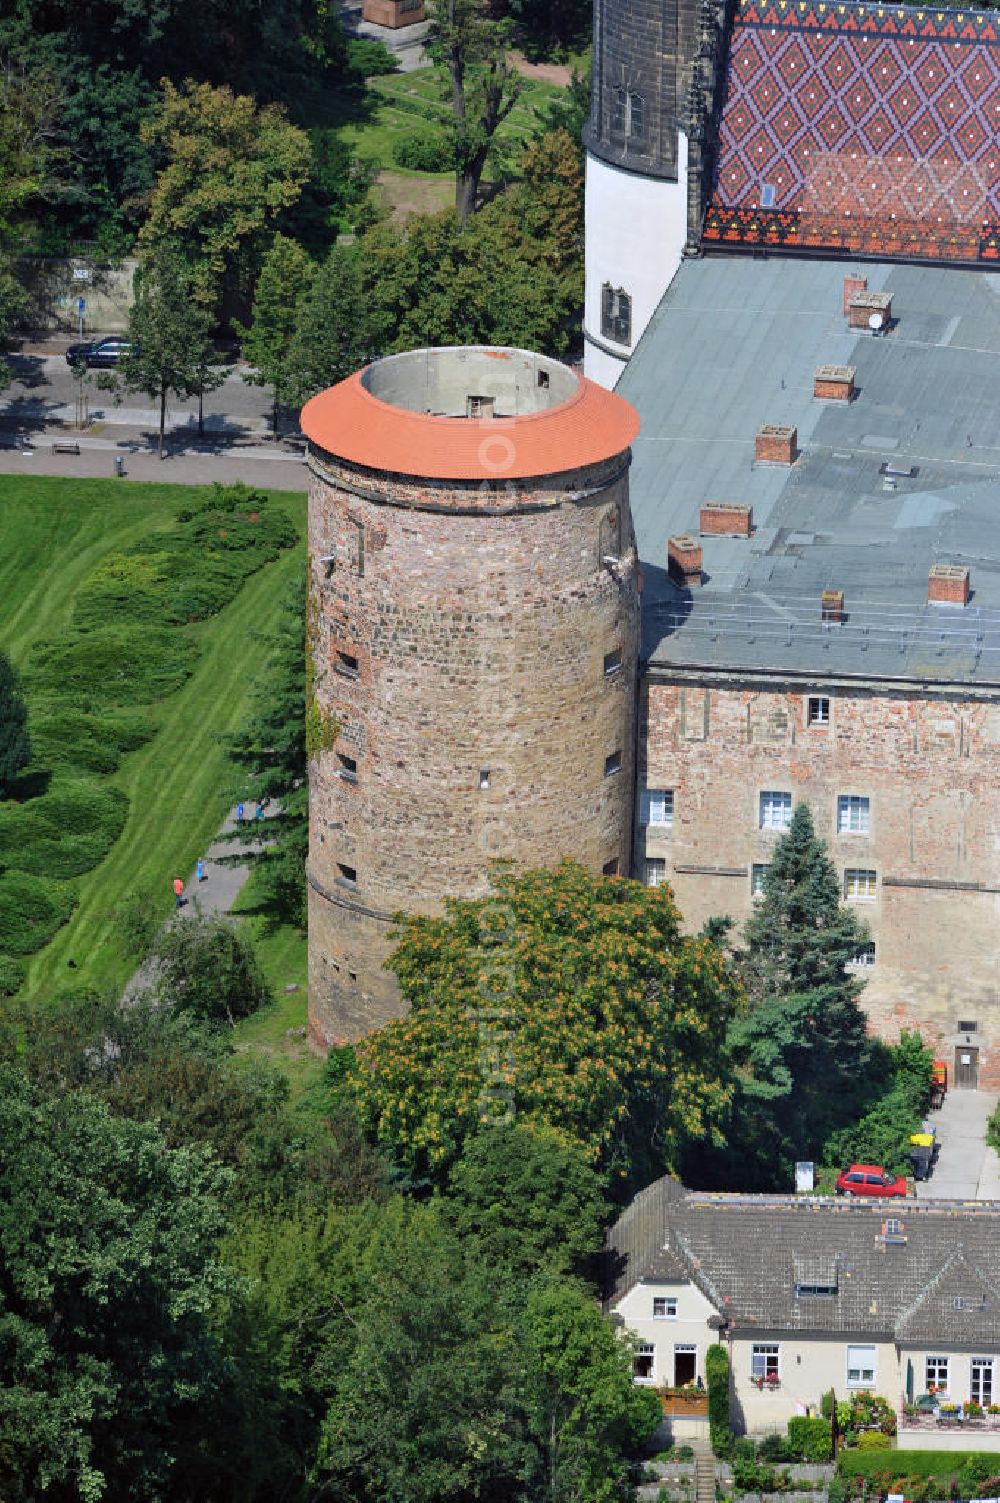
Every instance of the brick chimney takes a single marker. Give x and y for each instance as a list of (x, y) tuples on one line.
[(725, 519), (684, 560), (834, 383), (864, 304), (776, 443), (948, 584), (852, 286), (831, 605)]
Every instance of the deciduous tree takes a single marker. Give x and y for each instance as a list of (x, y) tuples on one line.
[(108, 1249), (169, 335), (473, 48), (284, 280), (230, 168), (564, 999)]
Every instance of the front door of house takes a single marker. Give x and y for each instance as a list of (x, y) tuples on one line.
[(685, 1361), (966, 1066)]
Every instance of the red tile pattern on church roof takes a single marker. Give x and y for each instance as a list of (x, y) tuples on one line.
[(861, 128)]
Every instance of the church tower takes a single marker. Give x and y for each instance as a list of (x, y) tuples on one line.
[(654, 65)]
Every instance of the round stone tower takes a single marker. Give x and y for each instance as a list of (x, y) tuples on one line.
[(473, 638), (637, 165)]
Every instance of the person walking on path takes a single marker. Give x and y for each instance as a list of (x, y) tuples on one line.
[(200, 872), (178, 892), (259, 812), (239, 812)]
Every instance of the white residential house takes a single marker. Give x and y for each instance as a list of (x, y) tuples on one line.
[(810, 1294)]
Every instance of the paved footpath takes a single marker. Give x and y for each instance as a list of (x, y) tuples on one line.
[(967, 1168), (267, 464)]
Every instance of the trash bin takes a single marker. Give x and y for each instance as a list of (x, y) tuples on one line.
[(921, 1159), (119, 464)]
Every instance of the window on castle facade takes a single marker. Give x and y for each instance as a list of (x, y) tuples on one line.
[(616, 314), (757, 874), (618, 109), (612, 764), (854, 814), (635, 113), (860, 884), (656, 807), (656, 871), (775, 810)]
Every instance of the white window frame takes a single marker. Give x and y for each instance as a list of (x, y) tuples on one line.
[(775, 809), (646, 1349), (859, 1373), (656, 871), (765, 1360), (854, 814), (860, 884), (977, 1367), (669, 1304), (818, 709), (656, 808), (758, 871), (937, 1370)]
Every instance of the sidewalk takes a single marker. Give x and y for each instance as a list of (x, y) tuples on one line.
[(269, 465), (967, 1167)]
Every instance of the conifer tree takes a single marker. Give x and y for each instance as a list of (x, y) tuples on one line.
[(15, 744), (802, 1039)]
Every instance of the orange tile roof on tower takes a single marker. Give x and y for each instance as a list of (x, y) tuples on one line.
[(349, 422)]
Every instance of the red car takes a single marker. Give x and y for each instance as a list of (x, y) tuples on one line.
[(869, 1179)]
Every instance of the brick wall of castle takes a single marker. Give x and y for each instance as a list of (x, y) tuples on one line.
[(929, 769), (477, 649)]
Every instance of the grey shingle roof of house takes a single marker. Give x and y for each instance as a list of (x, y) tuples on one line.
[(937, 1277), (734, 344)]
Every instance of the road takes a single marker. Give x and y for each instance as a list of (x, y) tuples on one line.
[(46, 391)]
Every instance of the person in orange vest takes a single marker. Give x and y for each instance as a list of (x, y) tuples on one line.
[(178, 891)]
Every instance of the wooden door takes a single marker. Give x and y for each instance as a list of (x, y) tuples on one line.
[(966, 1066)]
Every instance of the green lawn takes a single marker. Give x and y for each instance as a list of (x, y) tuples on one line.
[(52, 534), (398, 105)]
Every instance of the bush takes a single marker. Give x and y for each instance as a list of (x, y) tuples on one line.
[(432, 152), (810, 1438), (873, 1440), (775, 1447), (208, 967), (113, 666), (367, 58), (31, 910), (11, 975), (87, 743), (64, 832), (743, 1448), (717, 1379)]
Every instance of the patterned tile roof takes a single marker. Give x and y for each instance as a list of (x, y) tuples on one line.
[(756, 1258), (866, 129)]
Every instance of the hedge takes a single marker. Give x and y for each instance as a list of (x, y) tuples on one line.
[(65, 831), (810, 1438), (11, 975), (892, 1464), (717, 1378), (116, 666), (87, 743), (426, 153)]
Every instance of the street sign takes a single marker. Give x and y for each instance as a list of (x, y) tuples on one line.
[(81, 305)]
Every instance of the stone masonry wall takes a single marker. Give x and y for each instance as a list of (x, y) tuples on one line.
[(481, 722), (930, 768)]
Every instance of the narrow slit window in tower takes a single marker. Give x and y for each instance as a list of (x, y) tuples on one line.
[(616, 314), (618, 112), (635, 111)]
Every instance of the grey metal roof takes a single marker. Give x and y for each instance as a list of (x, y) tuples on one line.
[(734, 344), (936, 1279)]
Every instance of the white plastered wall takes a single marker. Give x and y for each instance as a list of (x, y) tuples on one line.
[(636, 228), (689, 1327)]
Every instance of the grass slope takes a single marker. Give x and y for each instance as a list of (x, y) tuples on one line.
[(52, 534)]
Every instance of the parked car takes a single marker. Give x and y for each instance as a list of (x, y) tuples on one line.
[(869, 1179), (100, 353)]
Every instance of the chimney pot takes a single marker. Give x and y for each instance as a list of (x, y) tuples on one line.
[(776, 443), (725, 519), (834, 383), (948, 584), (684, 559)]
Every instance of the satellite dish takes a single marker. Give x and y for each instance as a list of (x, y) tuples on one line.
[(874, 322)]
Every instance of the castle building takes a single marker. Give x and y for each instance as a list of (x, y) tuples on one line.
[(815, 360), (473, 638)]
